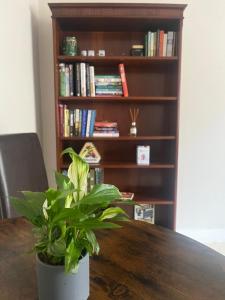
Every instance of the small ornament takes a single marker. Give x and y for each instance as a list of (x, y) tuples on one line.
[(101, 52), (90, 154), (133, 114), (143, 155), (91, 52), (84, 52)]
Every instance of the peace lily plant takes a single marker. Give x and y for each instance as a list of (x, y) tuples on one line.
[(65, 218)]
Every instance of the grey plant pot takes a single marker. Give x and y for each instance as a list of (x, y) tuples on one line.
[(55, 284)]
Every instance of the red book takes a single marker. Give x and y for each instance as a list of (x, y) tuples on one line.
[(123, 79), (105, 124), (161, 38)]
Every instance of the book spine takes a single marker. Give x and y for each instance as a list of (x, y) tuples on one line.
[(88, 123), (84, 122), (92, 81), (169, 48), (152, 44), (161, 40), (66, 122), (71, 113), (83, 79), (78, 92), (71, 80), (62, 79), (164, 44), (93, 116), (61, 120), (123, 79), (80, 121), (174, 43), (77, 120), (88, 88), (67, 80), (149, 44)]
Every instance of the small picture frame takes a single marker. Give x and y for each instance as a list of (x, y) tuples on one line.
[(143, 155), (145, 212)]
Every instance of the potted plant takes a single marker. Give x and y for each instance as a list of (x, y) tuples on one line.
[(64, 219)]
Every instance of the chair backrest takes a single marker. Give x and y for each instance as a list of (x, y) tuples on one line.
[(21, 168)]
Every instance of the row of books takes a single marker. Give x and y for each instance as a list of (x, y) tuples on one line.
[(95, 176), (79, 79), (76, 122), (160, 43)]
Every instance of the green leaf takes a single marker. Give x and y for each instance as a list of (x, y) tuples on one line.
[(111, 212), (68, 214), (72, 255), (101, 194), (96, 224), (30, 206), (63, 182), (92, 241), (57, 248)]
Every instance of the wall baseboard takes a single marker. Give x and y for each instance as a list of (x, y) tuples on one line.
[(205, 235)]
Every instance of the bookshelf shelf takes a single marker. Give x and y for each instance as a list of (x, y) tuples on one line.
[(124, 100), (121, 138), (153, 83), (121, 165), (128, 60)]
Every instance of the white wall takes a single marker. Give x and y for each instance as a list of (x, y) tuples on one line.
[(201, 188), (19, 75)]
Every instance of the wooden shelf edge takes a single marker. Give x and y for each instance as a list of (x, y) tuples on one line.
[(119, 165), (150, 200), (115, 59), (118, 99), (121, 138)]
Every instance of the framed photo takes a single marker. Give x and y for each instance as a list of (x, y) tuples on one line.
[(143, 155), (145, 212)]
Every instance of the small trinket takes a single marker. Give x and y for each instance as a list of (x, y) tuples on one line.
[(133, 114), (91, 52)]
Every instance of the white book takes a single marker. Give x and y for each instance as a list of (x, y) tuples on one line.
[(88, 123), (169, 48), (152, 44), (103, 134), (92, 81), (83, 79), (164, 44), (67, 81)]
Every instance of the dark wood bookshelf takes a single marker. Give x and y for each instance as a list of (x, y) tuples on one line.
[(153, 86)]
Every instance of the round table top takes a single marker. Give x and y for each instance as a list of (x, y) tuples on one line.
[(139, 261)]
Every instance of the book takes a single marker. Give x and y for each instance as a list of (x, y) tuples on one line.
[(169, 49), (88, 123), (78, 90), (105, 124), (62, 80), (127, 195), (83, 79), (145, 212), (104, 134), (71, 79), (92, 81), (84, 122), (123, 79), (93, 116), (61, 120)]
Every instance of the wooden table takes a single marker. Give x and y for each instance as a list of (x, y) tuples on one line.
[(139, 261)]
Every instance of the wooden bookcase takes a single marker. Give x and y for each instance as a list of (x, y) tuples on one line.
[(153, 85)]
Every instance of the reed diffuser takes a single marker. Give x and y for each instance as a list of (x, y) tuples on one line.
[(134, 115)]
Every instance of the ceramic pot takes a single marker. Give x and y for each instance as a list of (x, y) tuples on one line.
[(55, 284)]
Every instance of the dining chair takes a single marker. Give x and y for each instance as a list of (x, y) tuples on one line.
[(21, 168)]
